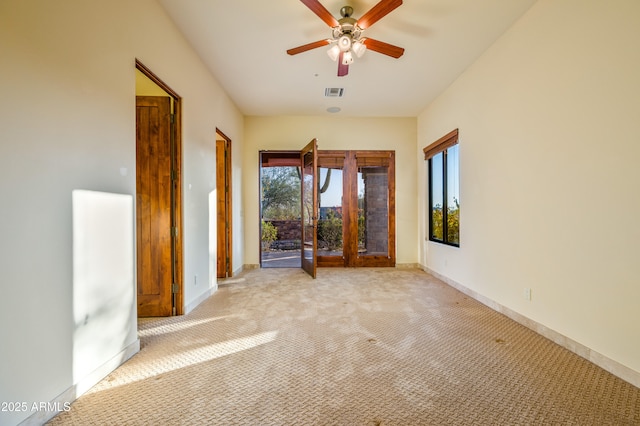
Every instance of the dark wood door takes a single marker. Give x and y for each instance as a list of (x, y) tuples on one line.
[(223, 206), (153, 206), (309, 213)]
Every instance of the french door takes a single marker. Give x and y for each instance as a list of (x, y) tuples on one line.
[(347, 207), (356, 195), (309, 208)]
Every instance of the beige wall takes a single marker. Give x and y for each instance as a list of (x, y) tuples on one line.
[(549, 150), (68, 156), (293, 133)]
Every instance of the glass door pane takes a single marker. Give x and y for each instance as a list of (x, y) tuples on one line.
[(373, 211), (330, 234)]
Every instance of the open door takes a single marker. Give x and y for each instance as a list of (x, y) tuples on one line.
[(158, 197), (153, 206), (309, 212), (223, 205)]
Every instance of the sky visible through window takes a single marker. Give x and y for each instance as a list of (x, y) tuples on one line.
[(333, 196), (453, 174), (436, 175)]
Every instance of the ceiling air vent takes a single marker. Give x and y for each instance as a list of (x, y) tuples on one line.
[(334, 92)]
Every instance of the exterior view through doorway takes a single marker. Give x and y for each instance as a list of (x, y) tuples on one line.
[(280, 225)]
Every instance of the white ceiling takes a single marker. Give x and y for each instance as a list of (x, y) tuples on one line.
[(244, 43)]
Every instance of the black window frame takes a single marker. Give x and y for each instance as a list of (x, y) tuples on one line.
[(442, 145)]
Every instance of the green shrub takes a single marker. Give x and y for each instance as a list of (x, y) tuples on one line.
[(269, 234), (330, 231)]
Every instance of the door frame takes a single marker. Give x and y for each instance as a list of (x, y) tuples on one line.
[(225, 244), (177, 216)]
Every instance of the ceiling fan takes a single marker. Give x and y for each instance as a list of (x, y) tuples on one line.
[(347, 37)]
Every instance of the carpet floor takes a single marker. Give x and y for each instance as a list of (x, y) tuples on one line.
[(369, 346)]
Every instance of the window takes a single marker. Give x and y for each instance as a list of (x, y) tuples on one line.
[(444, 190)]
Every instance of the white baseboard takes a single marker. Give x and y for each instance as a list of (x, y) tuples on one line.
[(625, 373), (244, 268), (198, 300), (63, 401), (207, 294)]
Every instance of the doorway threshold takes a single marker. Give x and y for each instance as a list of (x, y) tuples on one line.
[(281, 259)]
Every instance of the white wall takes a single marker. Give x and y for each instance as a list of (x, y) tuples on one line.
[(293, 133), (67, 152), (549, 150)]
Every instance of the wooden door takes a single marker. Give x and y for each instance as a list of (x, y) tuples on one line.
[(366, 210), (223, 206), (373, 230), (309, 210), (154, 205)]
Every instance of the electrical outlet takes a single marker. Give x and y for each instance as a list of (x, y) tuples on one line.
[(195, 279), (527, 293)]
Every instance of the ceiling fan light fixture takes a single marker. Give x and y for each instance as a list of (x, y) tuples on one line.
[(345, 43), (334, 52), (359, 48)]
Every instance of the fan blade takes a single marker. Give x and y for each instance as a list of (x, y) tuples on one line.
[(384, 48), (342, 69), (306, 47), (322, 12), (377, 12)]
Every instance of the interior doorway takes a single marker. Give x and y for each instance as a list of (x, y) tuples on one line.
[(158, 197), (223, 205)]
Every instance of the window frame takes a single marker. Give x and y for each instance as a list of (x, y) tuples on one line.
[(441, 146)]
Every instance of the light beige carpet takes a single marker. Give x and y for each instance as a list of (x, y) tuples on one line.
[(371, 346)]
